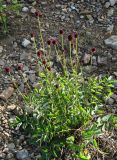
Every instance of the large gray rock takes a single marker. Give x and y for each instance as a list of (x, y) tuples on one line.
[(22, 154), (113, 2), (111, 42)]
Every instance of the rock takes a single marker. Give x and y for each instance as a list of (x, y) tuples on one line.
[(24, 56), (112, 2), (90, 18), (94, 61), (2, 155), (73, 7), (107, 4), (2, 62), (25, 42), (11, 107), (11, 146), (9, 156), (110, 101), (114, 96), (115, 73), (86, 58), (1, 49), (7, 93), (32, 78), (102, 60), (25, 9), (110, 28), (22, 154), (111, 42), (110, 12), (33, 10)]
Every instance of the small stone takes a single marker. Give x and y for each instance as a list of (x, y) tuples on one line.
[(11, 107), (110, 28), (90, 18), (1, 49), (2, 62), (86, 58), (21, 137), (111, 42), (73, 7), (107, 4), (7, 93), (102, 60), (9, 156), (94, 61), (2, 155), (33, 10), (110, 12), (11, 146), (114, 96), (115, 73), (110, 101), (112, 2), (25, 9), (22, 154), (43, 3), (25, 42)]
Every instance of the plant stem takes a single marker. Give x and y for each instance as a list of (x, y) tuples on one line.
[(40, 33)]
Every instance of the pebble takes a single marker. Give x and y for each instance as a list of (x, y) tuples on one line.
[(111, 42), (22, 154), (110, 28), (102, 60), (11, 107), (110, 12), (33, 10), (110, 101), (32, 78), (25, 42), (107, 4), (9, 156), (7, 93), (11, 146), (25, 9), (112, 2), (1, 49), (86, 58)]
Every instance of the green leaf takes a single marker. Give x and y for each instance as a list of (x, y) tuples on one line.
[(106, 118), (70, 140)]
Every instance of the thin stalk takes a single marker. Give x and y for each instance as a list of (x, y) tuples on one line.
[(70, 50), (62, 42), (77, 64), (60, 62), (40, 33)]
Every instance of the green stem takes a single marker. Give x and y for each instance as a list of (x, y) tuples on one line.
[(40, 33), (70, 55)]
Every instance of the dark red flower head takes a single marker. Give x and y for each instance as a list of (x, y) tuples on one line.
[(20, 66), (7, 69), (93, 50), (32, 34), (61, 31), (38, 14), (70, 37), (54, 41), (75, 35), (40, 53), (44, 62), (49, 42)]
